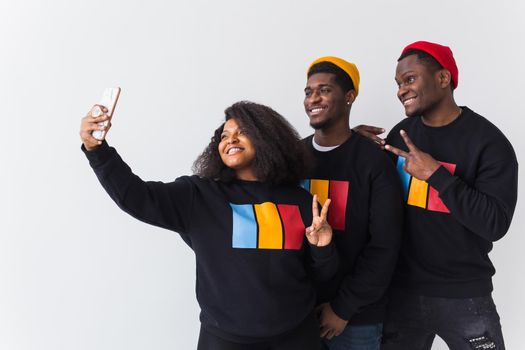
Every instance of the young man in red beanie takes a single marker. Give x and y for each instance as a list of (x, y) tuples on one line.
[(365, 211), (459, 176)]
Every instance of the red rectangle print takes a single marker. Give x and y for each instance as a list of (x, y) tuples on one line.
[(434, 202), (338, 193), (294, 228)]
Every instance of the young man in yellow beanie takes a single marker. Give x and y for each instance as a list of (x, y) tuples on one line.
[(459, 175), (365, 211)]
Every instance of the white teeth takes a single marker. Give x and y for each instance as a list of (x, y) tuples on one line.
[(316, 109), (234, 150), (408, 101)]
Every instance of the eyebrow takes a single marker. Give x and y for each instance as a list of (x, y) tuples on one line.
[(407, 72), (320, 85), (230, 130)]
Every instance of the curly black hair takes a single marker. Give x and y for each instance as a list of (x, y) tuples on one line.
[(341, 77), (280, 156)]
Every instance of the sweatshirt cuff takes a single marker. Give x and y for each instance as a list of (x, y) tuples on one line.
[(341, 310), (99, 155), (320, 253), (441, 179)]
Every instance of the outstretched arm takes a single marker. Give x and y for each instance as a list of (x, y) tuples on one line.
[(166, 205)]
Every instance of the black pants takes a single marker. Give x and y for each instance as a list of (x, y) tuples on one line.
[(413, 321), (304, 337)]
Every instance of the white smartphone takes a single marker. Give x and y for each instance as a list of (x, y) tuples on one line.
[(109, 100)]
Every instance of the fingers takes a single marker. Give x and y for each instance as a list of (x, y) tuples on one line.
[(396, 151), (324, 210), (329, 334), (90, 142), (370, 129), (315, 206), (410, 145), (88, 139), (325, 332), (322, 332), (371, 132), (97, 118), (96, 110), (408, 141), (100, 119), (89, 124), (377, 140)]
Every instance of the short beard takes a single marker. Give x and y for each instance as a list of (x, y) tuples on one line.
[(321, 125), (413, 114), (421, 111)]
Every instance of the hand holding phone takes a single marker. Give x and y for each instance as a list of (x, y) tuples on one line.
[(109, 100)]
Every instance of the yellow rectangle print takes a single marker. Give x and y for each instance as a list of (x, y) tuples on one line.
[(417, 196), (270, 228), (320, 188)]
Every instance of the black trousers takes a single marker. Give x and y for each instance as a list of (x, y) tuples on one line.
[(304, 337), (413, 321)]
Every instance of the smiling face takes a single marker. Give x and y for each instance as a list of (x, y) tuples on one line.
[(325, 102), (237, 151), (419, 88)]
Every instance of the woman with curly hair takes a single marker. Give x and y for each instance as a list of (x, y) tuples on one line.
[(243, 213)]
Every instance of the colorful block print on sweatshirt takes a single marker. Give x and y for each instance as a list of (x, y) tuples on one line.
[(267, 226), (337, 191), (418, 193)]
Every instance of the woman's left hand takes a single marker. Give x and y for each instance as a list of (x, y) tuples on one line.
[(320, 232)]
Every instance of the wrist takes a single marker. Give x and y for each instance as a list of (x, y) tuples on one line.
[(431, 170), (91, 148)]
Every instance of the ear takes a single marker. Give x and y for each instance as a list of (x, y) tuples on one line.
[(445, 78), (350, 97)]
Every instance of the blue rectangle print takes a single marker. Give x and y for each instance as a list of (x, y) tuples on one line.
[(244, 226), (405, 177), (306, 184)]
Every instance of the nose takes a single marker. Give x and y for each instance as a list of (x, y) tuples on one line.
[(233, 138), (401, 91)]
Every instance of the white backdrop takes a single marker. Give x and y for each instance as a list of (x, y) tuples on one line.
[(75, 271)]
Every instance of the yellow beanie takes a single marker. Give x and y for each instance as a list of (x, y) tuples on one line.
[(349, 68)]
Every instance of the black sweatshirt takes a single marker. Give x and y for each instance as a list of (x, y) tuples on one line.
[(254, 264), (453, 218), (366, 214)]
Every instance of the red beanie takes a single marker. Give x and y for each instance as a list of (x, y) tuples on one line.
[(441, 53)]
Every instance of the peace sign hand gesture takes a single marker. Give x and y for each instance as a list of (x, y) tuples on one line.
[(320, 232), (418, 163)]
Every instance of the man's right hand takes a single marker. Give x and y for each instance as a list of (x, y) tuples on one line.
[(89, 124), (372, 133)]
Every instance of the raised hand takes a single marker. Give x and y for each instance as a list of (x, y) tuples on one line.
[(418, 163), (89, 124), (371, 132), (320, 232)]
